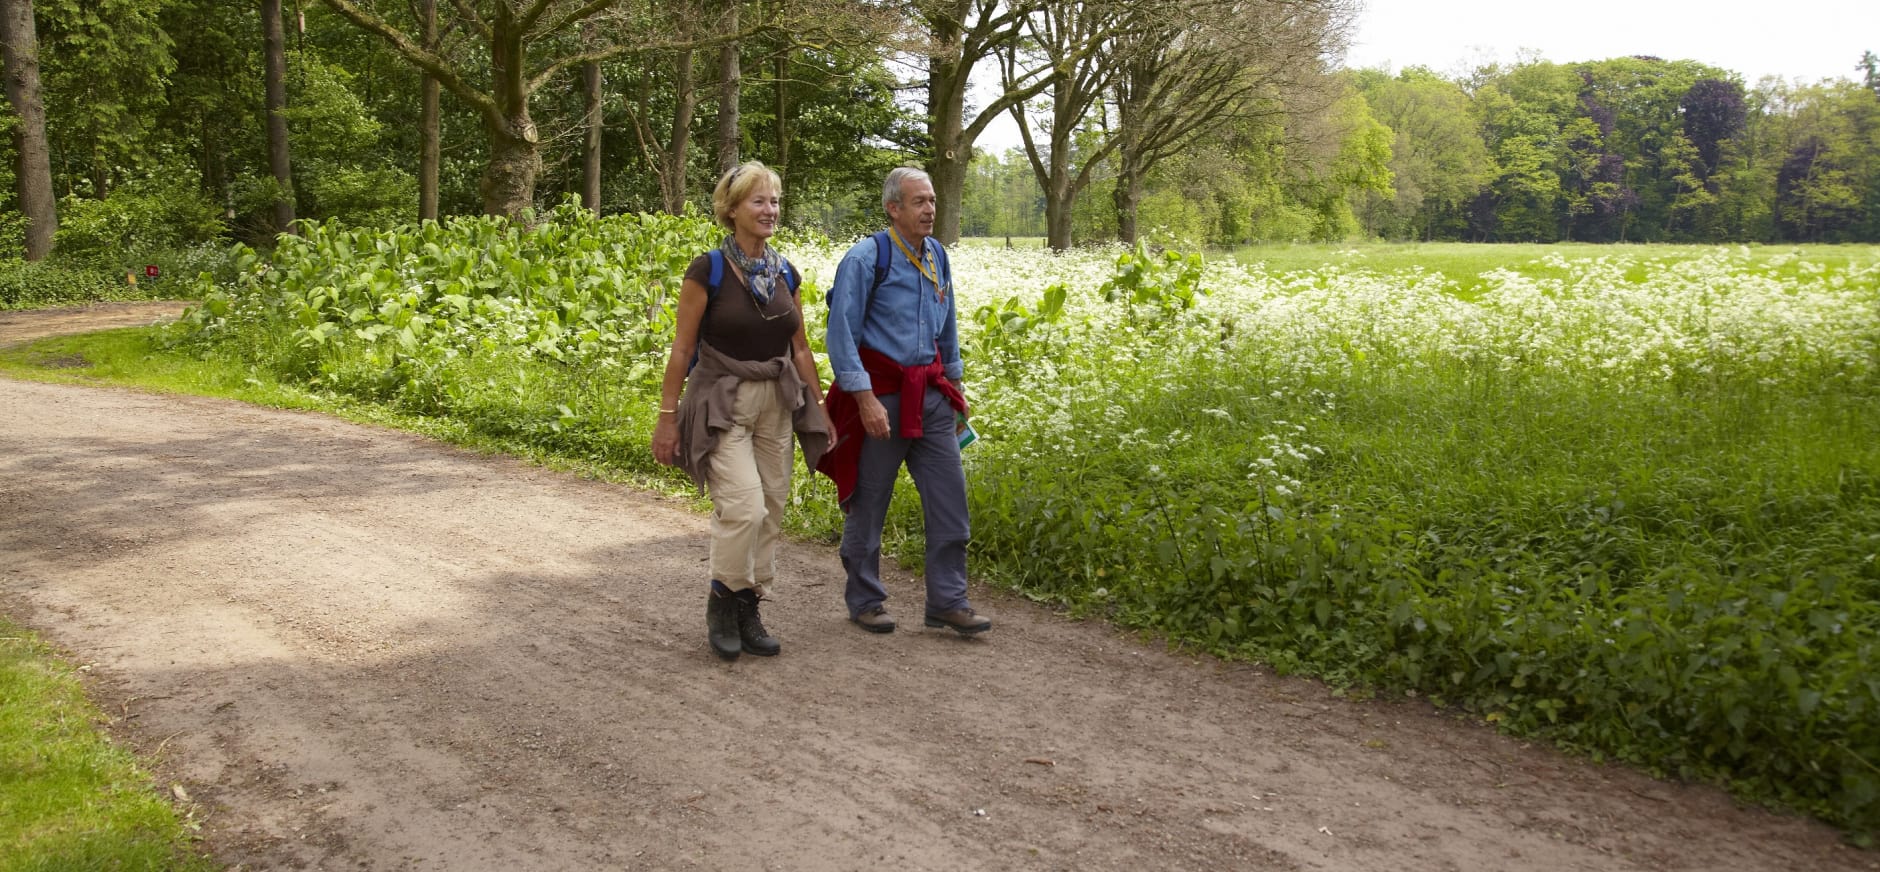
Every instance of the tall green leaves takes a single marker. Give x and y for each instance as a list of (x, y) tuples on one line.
[(106, 63), (569, 288)]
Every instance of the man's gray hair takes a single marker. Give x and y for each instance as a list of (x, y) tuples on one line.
[(891, 189)]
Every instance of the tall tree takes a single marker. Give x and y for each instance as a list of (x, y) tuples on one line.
[(664, 133), (1067, 38), (960, 34), (275, 39), (594, 121), (20, 41), (105, 65), (429, 115), (1714, 112), (1185, 68), (1438, 159), (526, 44), (506, 31), (730, 80), (211, 116)]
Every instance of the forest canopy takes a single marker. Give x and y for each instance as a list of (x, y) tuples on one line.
[(140, 123)]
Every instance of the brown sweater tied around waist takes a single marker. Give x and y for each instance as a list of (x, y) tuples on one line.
[(711, 390)]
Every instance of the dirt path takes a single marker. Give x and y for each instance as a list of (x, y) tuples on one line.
[(22, 325), (358, 649)]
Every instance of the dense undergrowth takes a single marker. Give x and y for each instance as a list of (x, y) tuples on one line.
[(62, 281), (1631, 504)]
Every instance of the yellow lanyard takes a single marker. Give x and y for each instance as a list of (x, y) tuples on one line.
[(928, 269)]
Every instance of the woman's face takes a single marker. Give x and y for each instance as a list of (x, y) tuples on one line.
[(756, 215)]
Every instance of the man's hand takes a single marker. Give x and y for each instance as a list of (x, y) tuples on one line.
[(874, 414), (968, 411)]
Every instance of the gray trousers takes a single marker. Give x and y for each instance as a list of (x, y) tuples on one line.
[(933, 461)]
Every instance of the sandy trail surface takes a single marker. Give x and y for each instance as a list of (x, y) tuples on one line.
[(359, 649)]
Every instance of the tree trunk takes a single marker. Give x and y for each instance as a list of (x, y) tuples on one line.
[(780, 159), (946, 100), (19, 41), (730, 80), (1060, 185), (1128, 200), (508, 183), (214, 164), (275, 38), (591, 149), (672, 188), (429, 155), (1059, 196)]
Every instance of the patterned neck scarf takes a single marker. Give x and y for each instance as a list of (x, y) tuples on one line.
[(762, 274)]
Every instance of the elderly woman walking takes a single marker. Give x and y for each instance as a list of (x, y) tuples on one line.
[(742, 359)]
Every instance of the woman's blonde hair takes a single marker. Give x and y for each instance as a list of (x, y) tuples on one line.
[(736, 185)]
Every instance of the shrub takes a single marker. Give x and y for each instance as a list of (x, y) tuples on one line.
[(154, 213), (26, 285)]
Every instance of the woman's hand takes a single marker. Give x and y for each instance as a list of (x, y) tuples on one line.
[(666, 440)]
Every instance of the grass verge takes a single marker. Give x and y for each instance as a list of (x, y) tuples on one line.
[(70, 799)]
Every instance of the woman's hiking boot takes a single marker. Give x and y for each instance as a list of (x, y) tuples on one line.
[(751, 631), (721, 623)]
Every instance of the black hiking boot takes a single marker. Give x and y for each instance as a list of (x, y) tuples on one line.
[(751, 631), (721, 624)]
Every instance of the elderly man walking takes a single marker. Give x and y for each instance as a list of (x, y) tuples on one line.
[(893, 341)]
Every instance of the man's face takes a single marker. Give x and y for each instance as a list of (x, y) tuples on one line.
[(913, 216)]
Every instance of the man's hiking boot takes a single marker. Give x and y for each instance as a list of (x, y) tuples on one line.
[(874, 619), (964, 621)]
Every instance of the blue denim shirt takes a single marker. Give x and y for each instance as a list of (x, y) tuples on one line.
[(905, 321)]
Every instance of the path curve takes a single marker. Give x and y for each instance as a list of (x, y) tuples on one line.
[(359, 649)]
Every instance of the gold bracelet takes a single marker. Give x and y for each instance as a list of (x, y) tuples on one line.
[(669, 411)]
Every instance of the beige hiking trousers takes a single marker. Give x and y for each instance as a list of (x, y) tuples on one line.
[(750, 483)]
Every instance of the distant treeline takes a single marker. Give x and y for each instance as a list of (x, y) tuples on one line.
[(1633, 149)]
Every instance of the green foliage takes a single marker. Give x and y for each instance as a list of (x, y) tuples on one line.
[(1438, 161), (29, 285), (160, 211), (1153, 290), (429, 318), (68, 798), (342, 171), (105, 63)]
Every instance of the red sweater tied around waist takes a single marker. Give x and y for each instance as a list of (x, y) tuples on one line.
[(843, 459)]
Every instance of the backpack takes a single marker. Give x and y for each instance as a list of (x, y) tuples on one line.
[(884, 252)]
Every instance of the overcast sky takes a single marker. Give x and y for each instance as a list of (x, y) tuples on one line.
[(1795, 39), (1803, 40)]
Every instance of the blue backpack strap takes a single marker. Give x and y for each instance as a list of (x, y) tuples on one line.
[(882, 253), (790, 275), (712, 281), (718, 273)]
